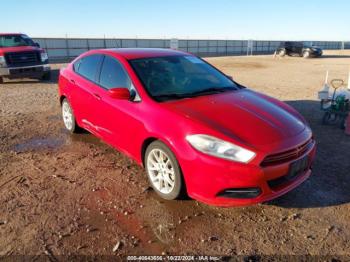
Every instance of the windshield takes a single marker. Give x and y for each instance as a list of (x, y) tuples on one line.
[(176, 77), (15, 40)]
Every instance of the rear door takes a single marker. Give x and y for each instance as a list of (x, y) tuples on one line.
[(82, 95), (299, 48), (288, 46), (296, 47)]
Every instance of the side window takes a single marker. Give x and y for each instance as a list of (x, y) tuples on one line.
[(113, 74), (87, 66), (76, 65)]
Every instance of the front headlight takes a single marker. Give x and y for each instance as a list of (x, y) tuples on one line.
[(219, 148), (2, 61), (44, 56)]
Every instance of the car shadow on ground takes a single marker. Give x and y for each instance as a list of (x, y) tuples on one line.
[(52, 80), (330, 179)]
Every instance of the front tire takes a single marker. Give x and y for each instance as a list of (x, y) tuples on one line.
[(1, 80), (68, 117), (282, 53), (46, 76), (164, 172)]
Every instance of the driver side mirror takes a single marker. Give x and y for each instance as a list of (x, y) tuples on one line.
[(120, 93), (229, 77), (37, 45)]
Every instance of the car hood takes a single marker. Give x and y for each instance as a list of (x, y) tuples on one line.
[(245, 115), (4, 50)]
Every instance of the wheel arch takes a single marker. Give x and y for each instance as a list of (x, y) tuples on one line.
[(144, 146), (150, 140), (62, 97)]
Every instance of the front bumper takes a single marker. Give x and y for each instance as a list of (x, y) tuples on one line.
[(25, 71), (209, 177)]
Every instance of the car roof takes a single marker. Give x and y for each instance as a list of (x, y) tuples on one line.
[(136, 53)]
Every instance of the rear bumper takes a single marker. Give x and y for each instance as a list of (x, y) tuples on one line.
[(25, 71)]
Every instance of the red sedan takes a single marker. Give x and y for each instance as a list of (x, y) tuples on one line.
[(194, 129)]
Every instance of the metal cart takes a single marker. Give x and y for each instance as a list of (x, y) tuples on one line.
[(337, 107)]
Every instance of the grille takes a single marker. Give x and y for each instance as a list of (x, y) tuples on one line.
[(22, 58), (289, 155), (274, 183)]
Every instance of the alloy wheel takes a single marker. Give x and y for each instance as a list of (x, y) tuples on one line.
[(67, 115), (161, 171)]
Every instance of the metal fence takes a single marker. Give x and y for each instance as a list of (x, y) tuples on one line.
[(65, 49)]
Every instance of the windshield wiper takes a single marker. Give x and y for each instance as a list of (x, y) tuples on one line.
[(170, 97), (208, 91), (211, 90)]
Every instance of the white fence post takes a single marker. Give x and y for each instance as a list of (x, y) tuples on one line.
[(174, 43), (250, 46)]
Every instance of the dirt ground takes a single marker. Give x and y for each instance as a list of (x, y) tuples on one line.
[(73, 195)]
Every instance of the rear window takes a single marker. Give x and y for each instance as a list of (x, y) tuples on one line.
[(87, 66)]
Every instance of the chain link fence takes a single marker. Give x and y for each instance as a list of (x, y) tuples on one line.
[(65, 49)]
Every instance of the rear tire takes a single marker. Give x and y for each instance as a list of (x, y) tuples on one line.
[(68, 117), (164, 172), (306, 54), (329, 118), (343, 122)]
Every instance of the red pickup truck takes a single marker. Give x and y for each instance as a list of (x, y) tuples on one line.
[(20, 57)]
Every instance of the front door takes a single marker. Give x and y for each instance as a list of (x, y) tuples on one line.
[(116, 120)]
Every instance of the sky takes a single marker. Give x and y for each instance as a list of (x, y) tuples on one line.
[(187, 19)]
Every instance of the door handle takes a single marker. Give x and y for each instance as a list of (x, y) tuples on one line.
[(72, 81), (97, 96)]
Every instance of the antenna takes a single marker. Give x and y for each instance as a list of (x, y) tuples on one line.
[(349, 81)]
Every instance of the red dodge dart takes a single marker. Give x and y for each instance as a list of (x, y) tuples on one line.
[(195, 130)]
